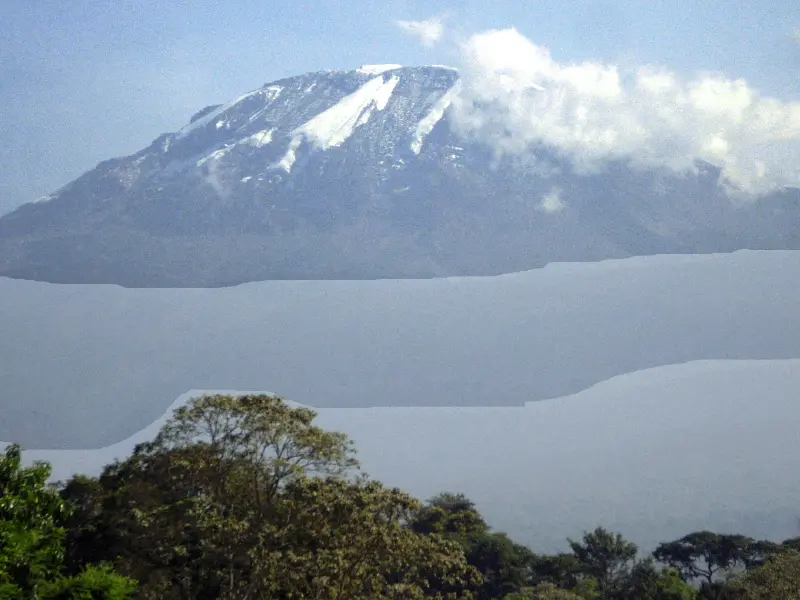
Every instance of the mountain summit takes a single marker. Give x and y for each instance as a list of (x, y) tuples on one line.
[(362, 174)]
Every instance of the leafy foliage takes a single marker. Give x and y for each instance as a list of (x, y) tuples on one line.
[(452, 515), (604, 556), (649, 582), (505, 565), (705, 554), (32, 540), (93, 583), (777, 579), (31, 518), (543, 591), (245, 498)]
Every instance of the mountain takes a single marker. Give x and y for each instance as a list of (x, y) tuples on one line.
[(362, 174)]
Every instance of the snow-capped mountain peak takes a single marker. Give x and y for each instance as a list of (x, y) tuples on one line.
[(377, 69), (333, 105), (363, 173)]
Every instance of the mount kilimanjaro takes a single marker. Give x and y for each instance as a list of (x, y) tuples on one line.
[(362, 174)]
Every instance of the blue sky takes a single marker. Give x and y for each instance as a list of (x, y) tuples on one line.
[(82, 81)]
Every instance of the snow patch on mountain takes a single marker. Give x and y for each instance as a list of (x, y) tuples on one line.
[(259, 139), (290, 157), (333, 126), (429, 121), (377, 69), (270, 93), (216, 155)]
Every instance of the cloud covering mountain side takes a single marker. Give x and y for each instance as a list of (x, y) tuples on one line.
[(515, 97)]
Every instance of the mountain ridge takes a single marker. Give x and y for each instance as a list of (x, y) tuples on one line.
[(361, 174)]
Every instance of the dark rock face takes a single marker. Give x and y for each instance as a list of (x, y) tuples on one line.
[(360, 175)]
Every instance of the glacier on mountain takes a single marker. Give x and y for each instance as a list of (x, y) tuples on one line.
[(333, 126), (290, 157), (217, 154), (377, 69), (261, 138), (257, 140), (429, 121)]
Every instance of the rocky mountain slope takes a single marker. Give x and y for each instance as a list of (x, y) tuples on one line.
[(361, 174)]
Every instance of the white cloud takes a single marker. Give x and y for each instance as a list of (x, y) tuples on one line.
[(796, 34), (428, 31), (514, 96), (551, 202)]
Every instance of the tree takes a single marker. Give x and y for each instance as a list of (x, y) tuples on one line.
[(273, 441), (351, 540), (777, 579), (505, 565), (246, 498), (604, 556), (543, 591), (31, 525), (184, 512), (453, 515), (562, 570), (790, 544), (32, 540), (756, 552), (706, 555), (92, 537), (648, 582), (93, 583)]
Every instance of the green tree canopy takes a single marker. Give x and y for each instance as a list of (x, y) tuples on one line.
[(646, 581), (707, 555), (32, 540), (352, 540), (31, 525), (604, 556), (543, 591), (246, 498), (450, 514), (777, 579), (505, 565)]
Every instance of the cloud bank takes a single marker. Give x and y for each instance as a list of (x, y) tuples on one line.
[(515, 97), (428, 31)]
